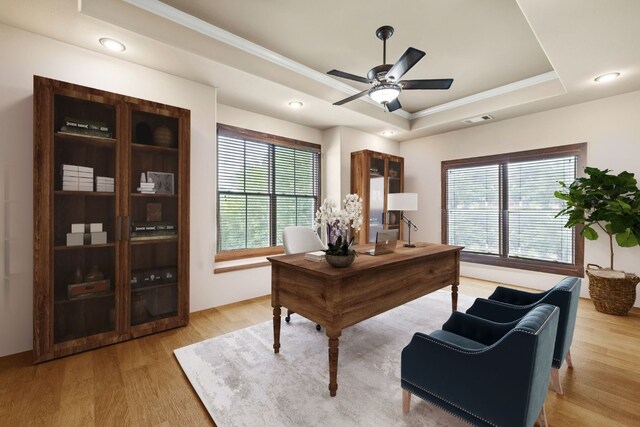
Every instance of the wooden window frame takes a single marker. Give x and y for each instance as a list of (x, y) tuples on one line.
[(241, 133), (575, 269)]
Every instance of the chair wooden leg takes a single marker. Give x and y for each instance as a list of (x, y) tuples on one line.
[(406, 401), (568, 359), (542, 418), (555, 380)]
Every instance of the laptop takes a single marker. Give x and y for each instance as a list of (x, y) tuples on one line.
[(385, 243)]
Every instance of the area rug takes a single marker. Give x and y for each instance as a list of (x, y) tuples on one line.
[(243, 383)]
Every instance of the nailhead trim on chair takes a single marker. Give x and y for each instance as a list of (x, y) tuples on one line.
[(452, 404)]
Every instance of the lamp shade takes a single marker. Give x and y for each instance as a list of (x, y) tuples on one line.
[(402, 202)]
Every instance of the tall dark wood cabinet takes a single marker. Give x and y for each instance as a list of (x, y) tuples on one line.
[(373, 176), (111, 251)]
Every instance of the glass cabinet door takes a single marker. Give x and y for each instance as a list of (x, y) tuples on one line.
[(376, 197), (153, 218), (394, 172), (84, 219)]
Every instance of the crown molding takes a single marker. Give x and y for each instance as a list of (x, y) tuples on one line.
[(501, 90)]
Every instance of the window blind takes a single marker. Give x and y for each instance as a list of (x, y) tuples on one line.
[(262, 188), (473, 208), (502, 209), (534, 232)]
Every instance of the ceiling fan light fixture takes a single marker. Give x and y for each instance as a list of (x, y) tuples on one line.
[(296, 105), (384, 93)]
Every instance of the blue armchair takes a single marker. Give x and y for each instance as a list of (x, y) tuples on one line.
[(486, 373), (507, 305)]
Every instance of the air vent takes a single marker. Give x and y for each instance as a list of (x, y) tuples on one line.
[(477, 119)]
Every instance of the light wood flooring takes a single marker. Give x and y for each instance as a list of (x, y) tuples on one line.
[(139, 382)]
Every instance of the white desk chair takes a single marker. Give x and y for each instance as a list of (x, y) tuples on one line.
[(298, 239)]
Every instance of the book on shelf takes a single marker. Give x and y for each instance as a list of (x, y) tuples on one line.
[(65, 130), (86, 124), (147, 188), (152, 226), (316, 256)]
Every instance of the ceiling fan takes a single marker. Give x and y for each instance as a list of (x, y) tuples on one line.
[(385, 78)]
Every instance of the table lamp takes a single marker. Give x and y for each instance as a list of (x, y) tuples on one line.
[(404, 202)]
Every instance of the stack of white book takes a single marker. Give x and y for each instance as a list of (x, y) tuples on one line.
[(147, 188), (105, 183), (77, 178), (314, 256)]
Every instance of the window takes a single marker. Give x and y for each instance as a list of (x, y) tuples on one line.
[(502, 209), (265, 183)]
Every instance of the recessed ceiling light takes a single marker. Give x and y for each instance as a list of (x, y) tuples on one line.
[(112, 44), (607, 77), (387, 133), (296, 105)]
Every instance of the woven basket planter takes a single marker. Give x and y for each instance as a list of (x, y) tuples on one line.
[(611, 295)]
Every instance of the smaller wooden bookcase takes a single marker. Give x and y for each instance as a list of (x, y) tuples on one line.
[(111, 251), (373, 176)]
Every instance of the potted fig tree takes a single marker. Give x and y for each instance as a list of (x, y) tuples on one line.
[(608, 203)]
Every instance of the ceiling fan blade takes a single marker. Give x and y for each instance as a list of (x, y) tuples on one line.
[(426, 84), (393, 105), (352, 97), (344, 75), (404, 64)]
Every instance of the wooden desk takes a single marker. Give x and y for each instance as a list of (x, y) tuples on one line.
[(337, 298)]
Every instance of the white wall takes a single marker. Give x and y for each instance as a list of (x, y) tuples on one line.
[(610, 126), (331, 166)]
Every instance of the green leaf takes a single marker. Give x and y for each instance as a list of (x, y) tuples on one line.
[(627, 239), (589, 233)]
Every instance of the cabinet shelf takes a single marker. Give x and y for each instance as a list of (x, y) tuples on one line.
[(154, 148), (85, 193), (73, 248), (85, 139), (154, 240), (87, 297), (152, 287), (170, 196)]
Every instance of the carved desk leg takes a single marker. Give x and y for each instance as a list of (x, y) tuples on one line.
[(333, 360), (276, 329), (454, 297)]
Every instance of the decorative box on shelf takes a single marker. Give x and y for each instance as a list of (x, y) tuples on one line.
[(86, 234), (87, 289)]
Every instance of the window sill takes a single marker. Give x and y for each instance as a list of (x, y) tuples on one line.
[(576, 270), (248, 253), (240, 264)]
